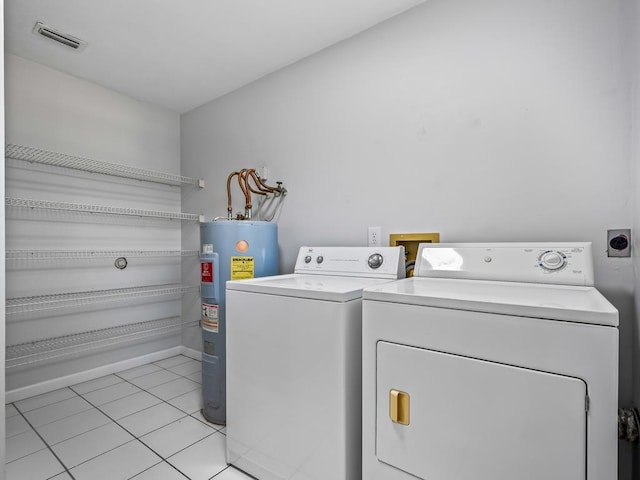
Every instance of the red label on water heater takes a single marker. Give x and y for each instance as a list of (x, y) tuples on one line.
[(207, 272)]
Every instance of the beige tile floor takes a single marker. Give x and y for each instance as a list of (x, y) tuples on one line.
[(143, 424)]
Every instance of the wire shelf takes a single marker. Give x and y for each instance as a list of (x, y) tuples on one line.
[(44, 157), (67, 345), (78, 299), (99, 209), (86, 254)]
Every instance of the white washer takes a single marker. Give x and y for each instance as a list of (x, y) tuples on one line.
[(496, 362), (294, 351)]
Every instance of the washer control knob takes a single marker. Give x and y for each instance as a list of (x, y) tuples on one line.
[(307, 259), (552, 261), (375, 260), (320, 259)]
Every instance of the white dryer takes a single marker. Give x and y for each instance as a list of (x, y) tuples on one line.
[(495, 362), (294, 351)]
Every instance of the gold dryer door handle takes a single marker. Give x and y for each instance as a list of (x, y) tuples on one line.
[(399, 407)]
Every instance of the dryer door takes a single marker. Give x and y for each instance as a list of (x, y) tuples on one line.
[(443, 416)]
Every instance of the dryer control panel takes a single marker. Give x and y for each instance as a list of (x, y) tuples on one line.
[(373, 262), (560, 263)]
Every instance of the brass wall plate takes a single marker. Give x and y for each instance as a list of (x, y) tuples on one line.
[(411, 242)]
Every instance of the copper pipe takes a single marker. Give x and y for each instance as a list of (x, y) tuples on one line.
[(263, 188), (229, 202), (250, 174), (245, 176), (264, 185), (242, 181)]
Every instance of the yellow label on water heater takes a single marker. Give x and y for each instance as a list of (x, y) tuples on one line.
[(241, 268)]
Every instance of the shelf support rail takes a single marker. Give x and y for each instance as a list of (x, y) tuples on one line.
[(99, 209), (68, 345), (43, 157), (84, 254), (77, 299)]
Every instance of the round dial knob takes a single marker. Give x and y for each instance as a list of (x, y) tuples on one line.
[(307, 259), (320, 259), (552, 260), (375, 260)]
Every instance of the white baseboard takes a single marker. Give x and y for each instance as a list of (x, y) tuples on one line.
[(192, 353), (56, 383)]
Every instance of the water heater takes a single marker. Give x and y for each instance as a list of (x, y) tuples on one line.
[(229, 250)]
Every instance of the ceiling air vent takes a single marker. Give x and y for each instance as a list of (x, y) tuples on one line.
[(58, 36)]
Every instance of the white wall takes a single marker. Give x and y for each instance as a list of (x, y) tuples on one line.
[(484, 121), (2, 274), (53, 111), (634, 14)]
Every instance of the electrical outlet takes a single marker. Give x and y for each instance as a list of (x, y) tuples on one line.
[(619, 242), (375, 236)]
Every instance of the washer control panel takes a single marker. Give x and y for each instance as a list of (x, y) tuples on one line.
[(382, 262), (554, 263)]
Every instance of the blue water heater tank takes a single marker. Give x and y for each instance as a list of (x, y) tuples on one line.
[(230, 250)]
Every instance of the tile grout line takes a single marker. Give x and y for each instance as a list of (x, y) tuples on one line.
[(55, 403), (142, 441), (175, 453), (138, 438), (191, 414), (234, 468), (186, 414), (46, 445), (152, 466), (135, 437), (154, 386), (166, 401), (43, 406)]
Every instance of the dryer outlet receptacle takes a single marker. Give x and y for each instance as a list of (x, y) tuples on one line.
[(619, 242)]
